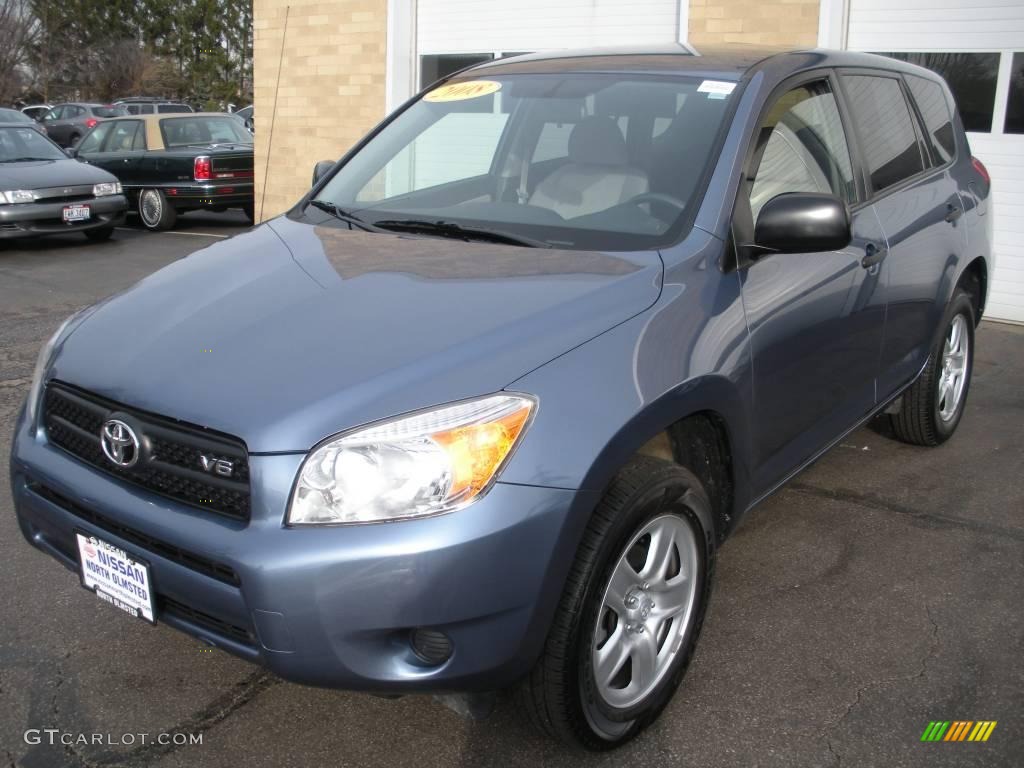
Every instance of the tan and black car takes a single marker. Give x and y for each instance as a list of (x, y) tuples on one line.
[(171, 164)]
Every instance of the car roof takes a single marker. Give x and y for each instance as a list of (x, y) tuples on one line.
[(725, 62)]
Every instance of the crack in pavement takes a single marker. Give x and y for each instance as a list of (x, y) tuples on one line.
[(932, 651), (871, 501)]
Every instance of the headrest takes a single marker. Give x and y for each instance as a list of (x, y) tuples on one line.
[(597, 141)]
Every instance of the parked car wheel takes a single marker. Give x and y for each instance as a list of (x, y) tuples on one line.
[(154, 210), (933, 405), (100, 234), (631, 612)]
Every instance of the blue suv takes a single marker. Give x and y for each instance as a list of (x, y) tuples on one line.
[(477, 412)]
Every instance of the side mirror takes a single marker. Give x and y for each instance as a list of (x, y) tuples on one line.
[(321, 169), (803, 222)]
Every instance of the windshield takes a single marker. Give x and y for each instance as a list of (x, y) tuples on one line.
[(184, 131), (13, 116), (584, 160), (26, 144)]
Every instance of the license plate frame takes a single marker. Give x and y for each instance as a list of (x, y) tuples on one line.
[(134, 573), (73, 214)]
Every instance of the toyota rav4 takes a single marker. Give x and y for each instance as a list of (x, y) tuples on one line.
[(477, 412)]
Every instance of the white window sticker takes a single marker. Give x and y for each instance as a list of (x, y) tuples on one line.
[(716, 89)]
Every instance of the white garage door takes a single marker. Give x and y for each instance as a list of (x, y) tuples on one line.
[(978, 45), (475, 26)]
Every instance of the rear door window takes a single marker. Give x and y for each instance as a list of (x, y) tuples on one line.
[(122, 138), (888, 138), (94, 139)]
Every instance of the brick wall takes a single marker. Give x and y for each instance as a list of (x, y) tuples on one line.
[(331, 88), (771, 22)]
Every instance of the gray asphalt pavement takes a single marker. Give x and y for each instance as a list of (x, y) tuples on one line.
[(881, 589)]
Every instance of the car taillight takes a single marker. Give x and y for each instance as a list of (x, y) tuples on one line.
[(203, 171), (981, 169), (91, 122)]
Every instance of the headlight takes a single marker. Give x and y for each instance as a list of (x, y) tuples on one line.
[(423, 464), (17, 196), (45, 358), (107, 188)]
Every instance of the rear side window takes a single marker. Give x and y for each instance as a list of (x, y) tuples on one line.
[(885, 128), (938, 120), (94, 139), (122, 138)]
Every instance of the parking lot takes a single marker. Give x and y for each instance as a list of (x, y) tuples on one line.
[(880, 590)]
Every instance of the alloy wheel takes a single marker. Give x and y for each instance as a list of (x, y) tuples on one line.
[(953, 375), (645, 611)]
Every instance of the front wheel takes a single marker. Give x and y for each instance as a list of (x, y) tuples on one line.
[(632, 609), (155, 211), (934, 404)]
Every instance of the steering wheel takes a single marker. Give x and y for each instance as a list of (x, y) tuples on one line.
[(657, 197)]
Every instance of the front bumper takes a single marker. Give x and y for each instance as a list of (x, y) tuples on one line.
[(26, 219), (331, 606)]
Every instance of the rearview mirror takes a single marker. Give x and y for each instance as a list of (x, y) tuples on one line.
[(321, 169), (803, 222)]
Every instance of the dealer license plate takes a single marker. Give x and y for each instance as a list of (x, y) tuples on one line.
[(116, 577), (73, 213)]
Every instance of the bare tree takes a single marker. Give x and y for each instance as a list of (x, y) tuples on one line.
[(18, 28)]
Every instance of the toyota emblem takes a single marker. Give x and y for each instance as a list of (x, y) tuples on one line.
[(120, 443)]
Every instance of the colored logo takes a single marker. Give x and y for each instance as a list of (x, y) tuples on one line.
[(958, 730)]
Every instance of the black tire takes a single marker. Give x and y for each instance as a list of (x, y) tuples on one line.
[(99, 234), (250, 212), (560, 694), (919, 420), (155, 211)]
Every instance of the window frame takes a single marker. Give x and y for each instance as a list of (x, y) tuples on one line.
[(742, 228), (873, 194), (918, 115)]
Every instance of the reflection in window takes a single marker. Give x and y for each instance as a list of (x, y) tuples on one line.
[(931, 101), (1015, 105), (971, 78), (886, 129)]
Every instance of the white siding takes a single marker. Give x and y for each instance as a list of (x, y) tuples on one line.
[(970, 26), (473, 26), (935, 25), (1004, 158)]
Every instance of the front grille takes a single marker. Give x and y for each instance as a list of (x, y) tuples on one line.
[(170, 452), (219, 626), (190, 560)]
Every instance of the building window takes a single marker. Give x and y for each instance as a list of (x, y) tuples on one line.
[(1015, 104), (433, 68), (971, 77)]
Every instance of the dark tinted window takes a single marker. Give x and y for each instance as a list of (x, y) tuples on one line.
[(886, 130), (162, 108), (971, 78), (109, 111), (1015, 105), (938, 120), (433, 68)]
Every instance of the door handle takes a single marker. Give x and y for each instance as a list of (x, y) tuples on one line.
[(953, 212), (873, 254)]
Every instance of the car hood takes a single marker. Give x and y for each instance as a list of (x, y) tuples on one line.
[(293, 332), (38, 174)]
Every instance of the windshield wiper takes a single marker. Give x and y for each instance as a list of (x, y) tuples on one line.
[(451, 229), (340, 213)]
